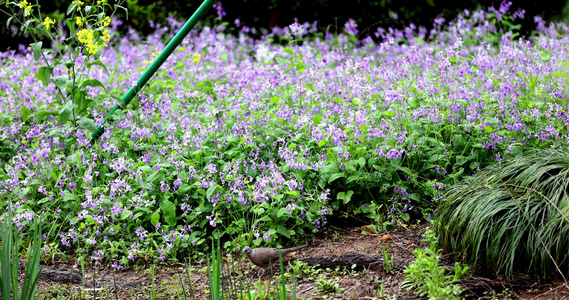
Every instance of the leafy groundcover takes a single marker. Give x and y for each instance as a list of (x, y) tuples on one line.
[(262, 140)]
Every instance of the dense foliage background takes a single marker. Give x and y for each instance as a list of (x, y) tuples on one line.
[(330, 14)]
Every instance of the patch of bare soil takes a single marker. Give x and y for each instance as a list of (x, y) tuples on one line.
[(345, 264)]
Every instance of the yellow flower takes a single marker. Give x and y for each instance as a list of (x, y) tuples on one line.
[(78, 3), (26, 6), (106, 21), (101, 2), (48, 22), (85, 36), (79, 21), (197, 58), (106, 36), (23, 4), (92, 48)]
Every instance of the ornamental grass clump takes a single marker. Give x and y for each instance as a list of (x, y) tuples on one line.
[(511, 217)]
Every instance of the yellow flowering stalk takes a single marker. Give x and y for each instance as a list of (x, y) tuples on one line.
[(79, 21), (26, 6), (48, 22), (79, 3), (106, 21)]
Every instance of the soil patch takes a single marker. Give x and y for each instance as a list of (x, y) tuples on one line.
[(341, 264)]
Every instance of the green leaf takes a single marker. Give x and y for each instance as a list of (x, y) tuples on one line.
[(211, 190), (60, 81), (93, 83), (43, 114), (184, 188), (354, 177), (361, 161), (321, 143), (88, 124), (65, 112), (348, 196), (67, 195), (349, 166), (71, 8), (44, 74), (283, 231), (36, 48), (460, 160), (335, 176), (288, 50), (281, 212), (25, 112), (155, 218), (145, 168), (125, 214), (169, 210), (317, 119)]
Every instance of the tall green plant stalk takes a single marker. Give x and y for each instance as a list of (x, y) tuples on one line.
[(9, 264), (214, 271)]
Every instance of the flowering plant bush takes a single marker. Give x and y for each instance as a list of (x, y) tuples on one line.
[(259, 143)]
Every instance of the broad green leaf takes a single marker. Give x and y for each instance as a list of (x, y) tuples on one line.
[(184, 188), (349, 166), (145, 168), (283, 231), (335, 176), (36, 48), (67, 195), (125, 214), (60, 81), (460, 160), (44, 74), (88, 124), (71, 8), (169, 210), (65, 112), (155, 218), (98, 63), (281, 212), (94, 83), (361, 161), (317, 119), (43, 114), (25, 113), (348, 196), (211, 190), (288, 50)]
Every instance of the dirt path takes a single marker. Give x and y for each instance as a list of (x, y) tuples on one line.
[(349, 265)]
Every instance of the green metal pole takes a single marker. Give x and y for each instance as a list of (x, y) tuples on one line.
[(143, 79)]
